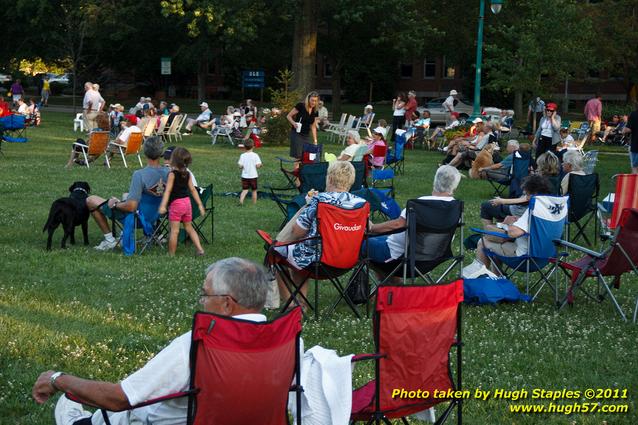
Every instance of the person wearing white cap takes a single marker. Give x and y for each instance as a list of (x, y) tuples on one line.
[(201, 121), (448, 105), (366, 118), (378, 139)]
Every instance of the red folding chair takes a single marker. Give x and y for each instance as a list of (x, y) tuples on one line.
[(379, 151), (338, 244), (626, 196), (415, 328), (619, 258), (241, 371)]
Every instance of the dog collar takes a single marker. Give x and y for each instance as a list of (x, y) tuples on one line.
[(79, 188)]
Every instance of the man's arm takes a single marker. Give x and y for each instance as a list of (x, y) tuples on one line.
[(387, 226), (99, 393)]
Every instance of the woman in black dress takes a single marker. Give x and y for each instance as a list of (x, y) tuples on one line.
[(303, 119)]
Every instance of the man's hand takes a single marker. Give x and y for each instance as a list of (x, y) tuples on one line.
[(510, 219), (112, 202), (42, 389), (496, 201)]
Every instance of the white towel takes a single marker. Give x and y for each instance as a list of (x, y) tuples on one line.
[(327, 382)]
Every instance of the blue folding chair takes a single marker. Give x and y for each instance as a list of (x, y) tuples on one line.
[(146, 218), (547, 217), (518, 171), (395, 158), (14, 128), (384, 179)]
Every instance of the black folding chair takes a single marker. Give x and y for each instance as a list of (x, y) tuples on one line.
[(583, 199), (519, 170)]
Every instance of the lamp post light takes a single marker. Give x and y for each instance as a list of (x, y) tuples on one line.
[(495, 7)]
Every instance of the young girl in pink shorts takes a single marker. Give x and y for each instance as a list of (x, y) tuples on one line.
[(178, 187)]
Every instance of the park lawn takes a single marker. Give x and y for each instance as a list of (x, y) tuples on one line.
[(102, 315)]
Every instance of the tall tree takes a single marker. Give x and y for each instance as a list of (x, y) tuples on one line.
[(304, 45), (214, 26), (362, 35), (535, 45)]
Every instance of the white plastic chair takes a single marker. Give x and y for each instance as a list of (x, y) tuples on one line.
[(78, 122)]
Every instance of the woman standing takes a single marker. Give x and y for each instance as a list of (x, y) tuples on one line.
[(398, 116), (548, 133), (303, 119)]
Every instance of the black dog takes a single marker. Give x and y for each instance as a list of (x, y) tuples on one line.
[(70, 212)]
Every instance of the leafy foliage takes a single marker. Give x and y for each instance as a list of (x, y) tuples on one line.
[(283, 99)]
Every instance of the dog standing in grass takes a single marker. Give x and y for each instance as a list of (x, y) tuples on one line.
[(70, 212)]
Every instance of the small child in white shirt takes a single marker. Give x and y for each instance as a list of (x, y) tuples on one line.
[(249, 161)]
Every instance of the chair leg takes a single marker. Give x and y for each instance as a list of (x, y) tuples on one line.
[(86, 158), (140, 160), (123, 157)]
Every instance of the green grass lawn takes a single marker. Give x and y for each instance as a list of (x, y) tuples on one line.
[(102, 315)]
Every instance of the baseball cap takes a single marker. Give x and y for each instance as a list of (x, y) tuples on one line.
[(204, 104), (551, 106), (379, 130), (453, 93), (168, 152), (477, 120), (369, 107)]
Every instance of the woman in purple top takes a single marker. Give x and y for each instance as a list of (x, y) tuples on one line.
[(16, 90)]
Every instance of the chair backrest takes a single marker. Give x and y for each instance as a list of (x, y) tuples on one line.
[(616, 263), (379, 151), (361, 151), (342, 121), (13, 122), (98, 141), (204, 196), (182, 121), (161, 127), (134, 143), (626, 196), (311, 153), (416, 326), (431, 228), (386, 174), (547, 219), (583, 195), (148, 206), (520, 170), (359, 175), (589, 161), (554, 182), (172, 129), (349, 123), (342, 232), (313, 176), (243, 370), (149, 128), (399, 146)]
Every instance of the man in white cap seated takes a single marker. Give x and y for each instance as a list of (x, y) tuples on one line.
[(448, 105), (202, 119), (366, 118)]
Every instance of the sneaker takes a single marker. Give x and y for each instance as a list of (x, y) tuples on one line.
[(68, 412), (106, 245), (187, 133), (209, 132)]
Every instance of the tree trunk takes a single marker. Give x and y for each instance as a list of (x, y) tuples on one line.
[(518, 103), (202, 74), (304, 49), (336, 92)]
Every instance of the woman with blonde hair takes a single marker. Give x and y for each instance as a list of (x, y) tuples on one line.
[(303, 120)]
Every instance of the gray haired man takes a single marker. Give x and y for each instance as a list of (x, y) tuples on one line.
[(233, 287)]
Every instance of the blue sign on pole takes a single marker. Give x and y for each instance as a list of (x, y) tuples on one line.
[(254, 78)]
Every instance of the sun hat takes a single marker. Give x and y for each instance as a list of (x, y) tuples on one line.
[(453, 93)]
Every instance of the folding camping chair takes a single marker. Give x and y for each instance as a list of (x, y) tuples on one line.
[(241, 371), (626, 196), (311, 154), (205, 195), (379, 151), (518, 171), (415, 328), (395, 158), (430, 230), (583, 198), (547, 216), (146, 217), (15, 128), (589, 161), (173, 130), (619, 258), (133, 147), (95, 146), (337, 251)]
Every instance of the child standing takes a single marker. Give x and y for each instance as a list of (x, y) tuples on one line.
[(178, 187), (249, 161)]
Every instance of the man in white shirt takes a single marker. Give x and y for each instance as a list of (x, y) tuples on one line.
[(91, 105), (448, 105), (203, 118), (122, 139), (233, 287)]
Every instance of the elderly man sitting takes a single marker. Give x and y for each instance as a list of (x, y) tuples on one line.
[(201, 121), (383, 249), (122, 139), (233, 287), (500, 171), (469, 150)]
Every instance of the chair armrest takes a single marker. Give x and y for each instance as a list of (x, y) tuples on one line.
[(487, 232), (180, 394), (579, 248), (368, 356), (286, 160)]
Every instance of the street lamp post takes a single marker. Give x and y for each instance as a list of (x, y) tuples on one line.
[(495, 7)]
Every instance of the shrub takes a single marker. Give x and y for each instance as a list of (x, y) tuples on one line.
[(283, 100)]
